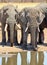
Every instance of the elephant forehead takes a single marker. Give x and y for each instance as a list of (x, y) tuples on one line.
[(11, 20), (33, 22), (33, 13), (11, 12)]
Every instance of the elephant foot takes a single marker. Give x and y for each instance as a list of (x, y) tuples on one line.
[(20, 44), (11, 44), (30, 44), (3, 43), (34, 49), (40, 42), (24, 46), (8, 41), (16, 43), (36, 45), (4, 40)]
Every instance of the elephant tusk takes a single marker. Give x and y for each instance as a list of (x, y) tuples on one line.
[(5, 27), (18, 27), (38, 29), (26, 29)]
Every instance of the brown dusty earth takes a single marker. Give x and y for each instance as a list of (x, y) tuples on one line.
[(14, 48)]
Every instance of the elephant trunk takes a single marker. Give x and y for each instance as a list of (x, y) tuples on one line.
[(11, 34), (17, 27)]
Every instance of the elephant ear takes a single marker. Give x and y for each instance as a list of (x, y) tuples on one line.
[(2, 12), (40, 17)]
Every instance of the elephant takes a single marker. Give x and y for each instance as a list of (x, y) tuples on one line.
[(21, 19), (43, 25), (8, 18), (3, 18), (30, 18)]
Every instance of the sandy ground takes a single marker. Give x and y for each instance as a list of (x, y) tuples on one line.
[(17, 49)]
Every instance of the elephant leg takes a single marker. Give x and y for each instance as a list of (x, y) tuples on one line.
[(24, 38), (11, 34), (23, 35), (15, 37), (3, 34), (41, 37), (8, 30), (34, 37)]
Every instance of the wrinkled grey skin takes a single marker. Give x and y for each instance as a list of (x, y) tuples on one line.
[(42, 7), (23, 22), (3, 18), (31, 18), (8, 16)]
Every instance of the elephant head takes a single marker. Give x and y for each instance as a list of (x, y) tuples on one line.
[(22, 17), (34, 18)]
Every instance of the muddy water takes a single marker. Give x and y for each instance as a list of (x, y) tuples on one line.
[(24, 58)]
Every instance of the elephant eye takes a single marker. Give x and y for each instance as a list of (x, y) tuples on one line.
[(23, 14), (5, 10), (15, 16), (38, 20), (16, 11)]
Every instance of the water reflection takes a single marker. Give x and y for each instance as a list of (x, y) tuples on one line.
[(24, 58), (40, 58), (0, 60), (6, 59), (18, 59), (45, 58), (28, 57)]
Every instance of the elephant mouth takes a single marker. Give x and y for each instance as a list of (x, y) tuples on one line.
[(17, 27)]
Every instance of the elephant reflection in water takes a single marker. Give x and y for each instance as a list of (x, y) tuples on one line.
[(3, 61), (40, 58), (24, 58), (10, 60), (21, 59), (33, 58), (28, 57)]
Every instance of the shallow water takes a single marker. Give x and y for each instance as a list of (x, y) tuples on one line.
[(24, 58)]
